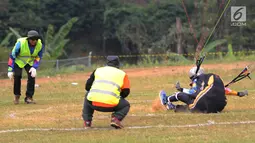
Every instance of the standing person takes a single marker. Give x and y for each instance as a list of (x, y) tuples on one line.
[(27, 53), (107, 88)]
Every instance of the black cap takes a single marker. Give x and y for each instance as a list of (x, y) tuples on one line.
[(33, 34), (113, 61)]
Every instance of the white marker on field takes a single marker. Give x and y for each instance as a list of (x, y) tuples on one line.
[(74, 83)]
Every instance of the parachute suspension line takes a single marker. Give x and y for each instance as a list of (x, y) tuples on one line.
[(217, 23), (202, 38), (202, 35), (190, 25)]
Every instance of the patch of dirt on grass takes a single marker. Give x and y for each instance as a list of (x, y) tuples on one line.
[(156, 106)]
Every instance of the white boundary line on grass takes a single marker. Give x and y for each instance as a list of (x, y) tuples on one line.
[(209, 123)]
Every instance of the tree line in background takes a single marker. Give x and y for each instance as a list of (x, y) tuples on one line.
[(75, 27)]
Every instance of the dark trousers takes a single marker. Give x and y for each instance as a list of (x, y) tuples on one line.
[(119, 111), (212, 101), (184, 97), (209, 103), (17, 81)]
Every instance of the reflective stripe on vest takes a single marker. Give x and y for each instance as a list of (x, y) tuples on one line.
[(25, 57), (21, 58), (107, 85), (108, 82), (105, 92)]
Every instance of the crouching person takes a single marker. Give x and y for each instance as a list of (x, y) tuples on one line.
[(207, 94), (107, 88)]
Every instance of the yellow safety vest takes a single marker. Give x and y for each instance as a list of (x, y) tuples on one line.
[(25, 57), (107, 85)]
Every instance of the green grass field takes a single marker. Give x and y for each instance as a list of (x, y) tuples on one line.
[(56, 118)]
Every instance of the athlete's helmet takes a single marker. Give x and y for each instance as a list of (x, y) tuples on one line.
[(193, 70)]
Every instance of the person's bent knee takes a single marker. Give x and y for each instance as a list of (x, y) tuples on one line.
[(127, 104)]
